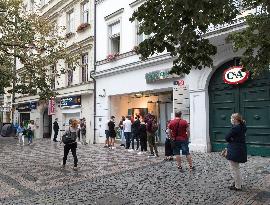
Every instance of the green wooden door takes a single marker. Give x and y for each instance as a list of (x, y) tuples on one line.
[(251, 99)]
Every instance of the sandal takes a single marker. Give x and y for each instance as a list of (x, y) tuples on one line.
[(180, 169)]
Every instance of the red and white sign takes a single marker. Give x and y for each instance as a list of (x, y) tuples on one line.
[(51, 107), (235, 75)]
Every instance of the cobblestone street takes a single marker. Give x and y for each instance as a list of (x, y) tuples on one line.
[(33, 175)]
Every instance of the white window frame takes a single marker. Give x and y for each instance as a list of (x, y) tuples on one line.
[(85, 10), (84, 67), (111, 37), (71, 21), (139, 36)]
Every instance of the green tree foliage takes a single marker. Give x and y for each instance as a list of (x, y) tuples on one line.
[(36, 44), (178, 26)]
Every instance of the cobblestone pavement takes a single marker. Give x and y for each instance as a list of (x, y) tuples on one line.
[(33, 175)]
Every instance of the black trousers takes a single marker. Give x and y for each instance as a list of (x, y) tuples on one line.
[(55, 135), (135, 137), (143, 141), (73, 148), (168, 148)]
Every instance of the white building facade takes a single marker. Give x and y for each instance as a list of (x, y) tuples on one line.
[(75, 88), (128, 86)]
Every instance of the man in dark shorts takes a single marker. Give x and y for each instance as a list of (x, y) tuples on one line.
[(179, 133)]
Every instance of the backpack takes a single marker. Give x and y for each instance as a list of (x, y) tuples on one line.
[(69, 137)]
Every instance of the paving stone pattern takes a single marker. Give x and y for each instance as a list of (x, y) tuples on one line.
[(33, 175)]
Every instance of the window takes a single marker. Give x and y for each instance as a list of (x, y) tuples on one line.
[(85, 67), (69, 75), (85, 12), (114, 37), (139, 37), (70, 22)]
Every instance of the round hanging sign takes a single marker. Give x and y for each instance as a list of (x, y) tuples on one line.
[(235, 75)]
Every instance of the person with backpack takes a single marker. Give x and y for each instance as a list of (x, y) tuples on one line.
[(69, 139), (179, 134), (151, 128)]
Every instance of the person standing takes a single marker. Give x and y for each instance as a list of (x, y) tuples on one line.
[(107, 140), (20, 131), (55, 129), (179, 134), (135, 129), (83, 131), (127, 131), (151, 128), (71, 144), (122, 131), (31, 129), (143, 137), (112, 133), (168, 147), (236, 148)]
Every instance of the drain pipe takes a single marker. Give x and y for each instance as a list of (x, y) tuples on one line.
[(93, 72)]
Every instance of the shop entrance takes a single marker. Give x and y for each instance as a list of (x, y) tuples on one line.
[(251, 99), (24, 118), (157, 103), (47, 124)]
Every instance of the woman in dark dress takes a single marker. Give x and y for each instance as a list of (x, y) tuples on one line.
[(168, 148), (112, 133), (236, 148)]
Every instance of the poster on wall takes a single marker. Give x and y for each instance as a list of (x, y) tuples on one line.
[(51, 107)]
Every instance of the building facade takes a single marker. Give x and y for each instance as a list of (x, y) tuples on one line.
[(128, 86), (75, 88)]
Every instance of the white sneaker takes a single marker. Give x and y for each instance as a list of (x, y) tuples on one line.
[(139, 153), (131, 150), (113, 147)]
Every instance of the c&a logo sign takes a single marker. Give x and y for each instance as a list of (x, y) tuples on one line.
[(235, 75)]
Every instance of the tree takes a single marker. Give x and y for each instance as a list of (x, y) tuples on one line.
[(36, 45), (178, 27)]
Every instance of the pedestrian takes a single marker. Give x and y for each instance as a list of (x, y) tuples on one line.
[(179, 134), (112, 133), (127, 131), (151, 128), (69, 139), (55, 129), (143, 137), (20, 131), (122, 131), (135, 129), (168, 147), (107, 141), (83, 131), (236, 148), (30, 130)]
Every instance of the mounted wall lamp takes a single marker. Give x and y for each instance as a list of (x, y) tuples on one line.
[(103, 95)]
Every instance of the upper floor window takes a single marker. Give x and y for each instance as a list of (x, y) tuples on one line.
[(70, 22), (114, 37), (69, 75), (85, 67), (85, 12), (139, 37), (32, 5)]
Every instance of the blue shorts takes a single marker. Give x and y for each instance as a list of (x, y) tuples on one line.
[(181, 145)]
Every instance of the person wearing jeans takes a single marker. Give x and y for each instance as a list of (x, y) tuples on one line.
[(236, 149), (127, 131)]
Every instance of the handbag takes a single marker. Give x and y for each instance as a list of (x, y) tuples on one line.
[(224, 152)]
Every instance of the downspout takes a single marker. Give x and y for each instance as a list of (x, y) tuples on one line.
[(93, 72)]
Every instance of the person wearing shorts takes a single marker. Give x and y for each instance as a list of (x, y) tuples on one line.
[(179, 133)]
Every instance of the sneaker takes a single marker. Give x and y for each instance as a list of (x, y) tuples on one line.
[(151, 156), (75, 168), (180, 169), (234, 188), (139, 153), (105, 146), (131, 150), (113, 147)]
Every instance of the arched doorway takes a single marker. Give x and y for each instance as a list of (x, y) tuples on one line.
[(251, 99), (47, 124)]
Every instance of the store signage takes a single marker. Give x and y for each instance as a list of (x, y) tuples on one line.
[(235, 75), (5, 109), (158, 75), (33, 105), (71, 102), (26, 107), (51, 107), (180, 83)]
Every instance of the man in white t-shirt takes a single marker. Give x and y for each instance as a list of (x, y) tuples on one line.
[(127, 131)]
